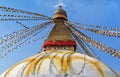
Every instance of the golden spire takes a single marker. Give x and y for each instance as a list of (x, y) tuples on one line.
[(60, 36)]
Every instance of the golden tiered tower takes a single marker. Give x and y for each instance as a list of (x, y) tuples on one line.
[(60, 37)]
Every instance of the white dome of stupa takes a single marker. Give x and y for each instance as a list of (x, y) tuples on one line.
[(59, 63)]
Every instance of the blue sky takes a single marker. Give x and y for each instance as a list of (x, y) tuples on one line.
[(97, 12)]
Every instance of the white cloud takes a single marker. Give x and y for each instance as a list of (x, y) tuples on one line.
[(60, 2)]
